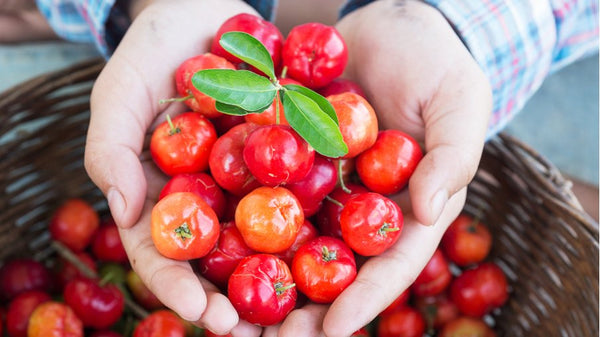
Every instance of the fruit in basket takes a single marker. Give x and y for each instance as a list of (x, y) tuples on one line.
[(262, 290), (66, 271), (479, 290), (434, 278), (322, 268), (371, 223), (184, 226), (405, 322), (20, 309), (20, 275), (97, 305), (106, 244), (140, 292), (437, 310), (74, 224), (183, 144), (465, 326), (160, 323), (466, 241), (54, 319)]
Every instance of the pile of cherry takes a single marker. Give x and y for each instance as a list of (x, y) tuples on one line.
[(268, 216)]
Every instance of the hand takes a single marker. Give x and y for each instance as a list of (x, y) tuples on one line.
[(124, 110), (420, 79)]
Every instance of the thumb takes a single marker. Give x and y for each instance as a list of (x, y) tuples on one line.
[(456, 121)]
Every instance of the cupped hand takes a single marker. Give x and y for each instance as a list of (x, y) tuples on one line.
[(420, 79), (124, 110)]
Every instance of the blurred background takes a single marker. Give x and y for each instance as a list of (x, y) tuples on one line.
[(560, 121)]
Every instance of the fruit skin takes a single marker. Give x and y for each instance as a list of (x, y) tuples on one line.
[(74, 224), (185, 146), (269, 219), (54, 319), (200, 183), (323, 268), (357, 120), (437, 310), (328, 216), (276, 155), (160, 323), (264, 31), (387, 166), (20, 275), (306, 233), (200, 102), (406, 322), (20, 309), (106, 244), (316, 185), (65, 271), (314, 54), (466, 241), (466, 327), (98, 306), (371, 223), (435, 276), (184, 226), (341, 85), (479, 290), (262, 290)]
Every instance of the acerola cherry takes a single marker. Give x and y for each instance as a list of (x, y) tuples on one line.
[(465, 326), (316, 185), (269, 219), (328, 216), (479, 290), (20, 275), (276, 154), (466, 241), (184, 226), (107, 245), (54, 319), (314, 54), (201, 184), (387, 166), (437, 310), (371, 223), (357, 121), (20, 309), (434, 278), (261, 289), (323, 268), (341, 85), (98, 306), (196, 100), (74, 224), (306, 233), (160, 323), (183, 144), (65, 271), (406, 322)]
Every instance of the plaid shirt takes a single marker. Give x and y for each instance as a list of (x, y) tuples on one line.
[(517, 43)]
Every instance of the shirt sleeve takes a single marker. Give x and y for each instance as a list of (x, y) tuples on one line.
[(519, 43)]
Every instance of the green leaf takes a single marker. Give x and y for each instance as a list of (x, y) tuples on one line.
[(314, 125), (247, 48), (321, 101), (241, 88), (237, 111)]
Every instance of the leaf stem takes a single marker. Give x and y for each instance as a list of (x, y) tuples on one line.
[(175, 99), (341, 177)]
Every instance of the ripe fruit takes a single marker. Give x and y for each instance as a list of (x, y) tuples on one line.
[(269, 219), (20, 275), (54, 319), (160, 323), (328, 216), (406, 322), (371, 223), (387, 166), (184, 226), (98, 306), (106, 243), (323, 268), (465, 326), (306, 233), (183, 144), (466, 241), (437, 310), (316, 185), (261, 289), (20, 309), (434, 278), (201, 184), (74, 224), (341, 85), (479, 290)]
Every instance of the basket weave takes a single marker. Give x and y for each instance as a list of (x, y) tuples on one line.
[(543, 240)]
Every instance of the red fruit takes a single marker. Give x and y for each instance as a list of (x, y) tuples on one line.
[(437, 310), (357, 121), (328, 216), (66, 271), (107, 245), (208, 333), (184, 226), (225, 122), (466, 327), (98, 306), (406, 322), (387, 166), (371, 223), (479, 290), (314, 54), (316, 185), (20, 275), (74, 224), (276, 154), (467, 241), (160, 323), (306, 233), (141, 293), (54, 319), (434, 278), (198, 101), (221, 261), (201, 184), (261, 289), (264, 31), (269, 219), (399, 302), (323, 268), (362, 332), (227, 164), (20, 309), (183, 144), (341, 85)]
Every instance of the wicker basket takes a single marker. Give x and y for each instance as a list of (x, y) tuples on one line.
[(543, 240)]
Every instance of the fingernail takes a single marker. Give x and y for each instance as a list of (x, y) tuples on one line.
[(438, 202), (116, 203)]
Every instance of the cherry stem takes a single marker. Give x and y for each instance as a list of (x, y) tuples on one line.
[(330, 199), (280, 288), (341, 177), (328, 255), (386, 228), (68, 255), (283, 72), (277, 115), (173, 129), (175, 99)]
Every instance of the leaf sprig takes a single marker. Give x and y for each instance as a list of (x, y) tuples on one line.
[(241, 92)]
